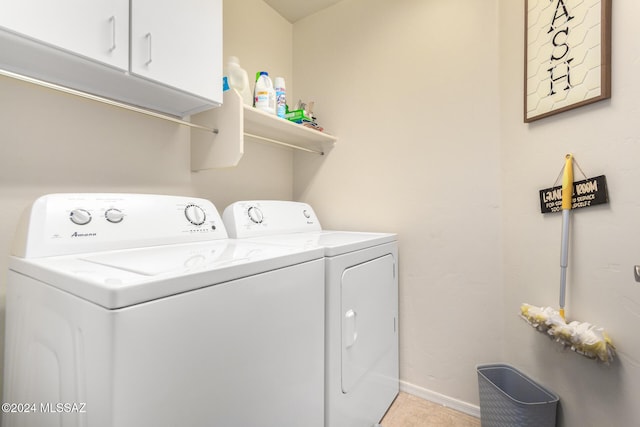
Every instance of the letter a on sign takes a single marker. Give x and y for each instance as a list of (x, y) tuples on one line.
[(567, 55)]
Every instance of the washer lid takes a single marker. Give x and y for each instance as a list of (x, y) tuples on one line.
[(333, 242), (116, 279)]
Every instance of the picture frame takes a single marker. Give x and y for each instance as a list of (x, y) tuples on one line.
[(567, 60)]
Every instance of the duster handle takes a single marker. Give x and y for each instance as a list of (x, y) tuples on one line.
[(567, 196), (567, 182)]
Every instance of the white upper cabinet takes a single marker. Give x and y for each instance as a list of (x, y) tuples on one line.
[(178, 43), (158, 54), (97, 29)]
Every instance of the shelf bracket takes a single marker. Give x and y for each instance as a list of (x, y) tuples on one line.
[(226, 147)]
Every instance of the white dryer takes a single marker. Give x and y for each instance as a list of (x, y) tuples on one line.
[(361, 353), (137, 311)]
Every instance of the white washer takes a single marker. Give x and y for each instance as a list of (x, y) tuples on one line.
[(361, 353), (138, 311)]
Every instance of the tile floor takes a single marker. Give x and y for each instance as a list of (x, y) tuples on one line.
[(412, 411)]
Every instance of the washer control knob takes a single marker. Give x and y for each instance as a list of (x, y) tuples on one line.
[(255, 214), (195, 214), (114, 215), (80, 216), (306, 214)]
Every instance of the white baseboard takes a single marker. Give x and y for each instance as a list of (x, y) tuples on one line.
[(440, 399)]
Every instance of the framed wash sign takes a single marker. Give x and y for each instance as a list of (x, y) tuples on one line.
[(567, 55)]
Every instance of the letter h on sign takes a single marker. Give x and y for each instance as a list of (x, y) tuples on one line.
[(559, 40), (568, 55)]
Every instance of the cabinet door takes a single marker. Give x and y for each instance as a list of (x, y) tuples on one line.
[(96, 29), (179, 44)]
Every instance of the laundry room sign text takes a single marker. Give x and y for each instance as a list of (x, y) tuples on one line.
[(586, 193)]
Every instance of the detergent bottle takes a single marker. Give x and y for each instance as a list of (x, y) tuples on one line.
[(265, 95), (238, 79)]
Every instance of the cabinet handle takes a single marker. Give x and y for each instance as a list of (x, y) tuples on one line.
[(149, 37), (113, 33)]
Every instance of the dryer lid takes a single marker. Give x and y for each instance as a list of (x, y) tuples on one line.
[(293, 224), (341, 242), (333, 243)]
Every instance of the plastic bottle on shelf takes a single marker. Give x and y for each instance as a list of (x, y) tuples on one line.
[(265, 95), (281, 97), (238, 79)]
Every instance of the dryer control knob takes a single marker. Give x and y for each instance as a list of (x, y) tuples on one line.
[(195, 214), (114, 215), (255, 214), (80, 216)]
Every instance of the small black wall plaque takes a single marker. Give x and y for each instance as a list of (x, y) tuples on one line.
[(586, 193)]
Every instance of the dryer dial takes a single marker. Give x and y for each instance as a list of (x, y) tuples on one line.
[(80, 216), (195, 214), (255, 214)]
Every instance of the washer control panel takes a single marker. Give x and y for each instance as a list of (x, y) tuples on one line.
[(254, 218), (60, 224)]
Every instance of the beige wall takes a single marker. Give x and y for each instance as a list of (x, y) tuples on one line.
[(604, 138), (411, 90), (51, 142), (426, 99)]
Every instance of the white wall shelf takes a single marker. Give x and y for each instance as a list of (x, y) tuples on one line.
[(235, 121)]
